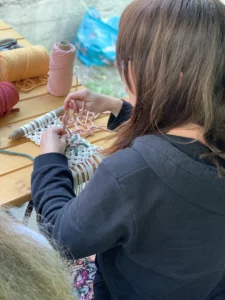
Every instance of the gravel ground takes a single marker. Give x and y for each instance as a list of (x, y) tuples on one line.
[(104, 80)]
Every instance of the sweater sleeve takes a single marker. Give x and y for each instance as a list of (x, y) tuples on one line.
[(122, 117), (98, 219)]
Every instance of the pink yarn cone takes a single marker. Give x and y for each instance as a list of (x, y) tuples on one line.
[(9, 97), (61, 70)]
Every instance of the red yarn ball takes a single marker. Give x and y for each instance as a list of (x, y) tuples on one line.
[(9, 97)]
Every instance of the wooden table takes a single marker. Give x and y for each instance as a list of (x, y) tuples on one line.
[(15, 172)]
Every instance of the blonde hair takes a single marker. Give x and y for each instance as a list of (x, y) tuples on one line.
[(29, 270)]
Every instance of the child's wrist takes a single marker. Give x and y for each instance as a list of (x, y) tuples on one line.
[(115, 106)]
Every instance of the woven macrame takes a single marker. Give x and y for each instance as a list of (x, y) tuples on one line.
[(83, 157)]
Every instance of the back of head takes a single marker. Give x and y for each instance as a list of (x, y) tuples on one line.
[(29, 270), (176, 49)]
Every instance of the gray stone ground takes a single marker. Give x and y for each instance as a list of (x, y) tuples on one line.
[(46, 21), (104, 80)]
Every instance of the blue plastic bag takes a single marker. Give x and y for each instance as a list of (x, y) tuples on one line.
[(96, 39)]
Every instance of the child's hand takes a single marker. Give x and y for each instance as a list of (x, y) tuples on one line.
[(94, 102), (53, 140)]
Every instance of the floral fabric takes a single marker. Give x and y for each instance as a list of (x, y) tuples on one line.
[(83, 275)]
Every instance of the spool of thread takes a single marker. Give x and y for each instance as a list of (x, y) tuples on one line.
[(61, 68), (9, 97), (24, 63)]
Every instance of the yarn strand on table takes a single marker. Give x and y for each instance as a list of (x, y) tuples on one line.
[(13, 153), (28, 85)]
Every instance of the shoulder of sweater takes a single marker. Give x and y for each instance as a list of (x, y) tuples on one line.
[(127, 161)]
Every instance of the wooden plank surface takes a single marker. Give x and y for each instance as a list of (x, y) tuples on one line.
[(12, 163), (42, 90), (24, 43), (7, 32), (4, 25), (15, 172), (15, 188), (10, 33)]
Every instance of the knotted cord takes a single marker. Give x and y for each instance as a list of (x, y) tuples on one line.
[(83, 121)]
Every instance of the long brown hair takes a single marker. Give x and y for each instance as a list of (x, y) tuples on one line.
[(162, 39)]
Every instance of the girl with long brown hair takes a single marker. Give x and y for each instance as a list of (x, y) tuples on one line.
[(154, 211)]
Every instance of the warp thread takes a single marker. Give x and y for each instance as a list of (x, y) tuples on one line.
[(9, 97), (61, 70), (24, 63)]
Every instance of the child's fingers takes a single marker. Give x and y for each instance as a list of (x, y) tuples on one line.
[(76, 105), (59, 131), (76, 96), (63, 138)]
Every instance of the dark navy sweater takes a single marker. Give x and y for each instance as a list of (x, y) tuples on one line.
[(154, 213)]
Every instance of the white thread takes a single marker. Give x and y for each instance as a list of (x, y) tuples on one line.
[(83, 162)]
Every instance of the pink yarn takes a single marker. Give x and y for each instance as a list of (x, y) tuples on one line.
[(61, 70), (83, 118), (9, 97)]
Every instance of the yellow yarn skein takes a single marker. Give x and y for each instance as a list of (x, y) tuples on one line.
[(24, 63)]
